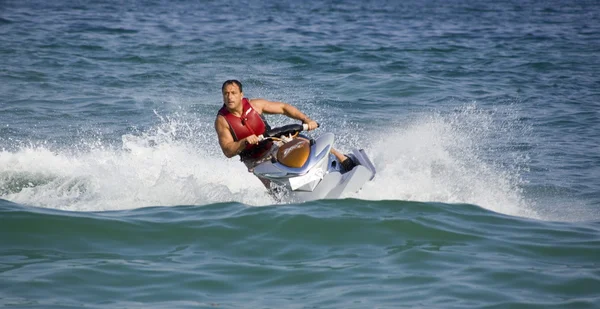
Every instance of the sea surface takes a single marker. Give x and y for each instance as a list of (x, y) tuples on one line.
[(481, 117)]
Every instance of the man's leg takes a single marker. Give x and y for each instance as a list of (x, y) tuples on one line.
[(346, 162), (338, 155)]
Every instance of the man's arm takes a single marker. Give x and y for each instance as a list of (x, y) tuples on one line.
[(268, 107), (229, 146)]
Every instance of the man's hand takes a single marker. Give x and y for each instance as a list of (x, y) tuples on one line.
[(311, 124), (252, 139)]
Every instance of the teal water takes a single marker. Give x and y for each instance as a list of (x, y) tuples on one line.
[(481, 119), (347, 253)]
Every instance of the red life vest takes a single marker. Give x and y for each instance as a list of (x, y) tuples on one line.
[(249, 123)]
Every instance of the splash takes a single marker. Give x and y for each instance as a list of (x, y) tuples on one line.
[(161, 167), (452, 158)]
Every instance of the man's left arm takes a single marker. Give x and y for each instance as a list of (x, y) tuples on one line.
[(269, 107)]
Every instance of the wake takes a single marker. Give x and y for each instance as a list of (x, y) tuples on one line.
[(453, 158)]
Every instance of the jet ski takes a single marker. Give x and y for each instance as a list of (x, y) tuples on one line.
[(303, 169)]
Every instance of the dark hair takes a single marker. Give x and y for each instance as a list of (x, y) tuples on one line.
[(231, 82)]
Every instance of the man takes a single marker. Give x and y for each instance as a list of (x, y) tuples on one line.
[(239, 123)]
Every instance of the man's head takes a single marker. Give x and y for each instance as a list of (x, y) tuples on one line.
[(232, 82), (232, 93)]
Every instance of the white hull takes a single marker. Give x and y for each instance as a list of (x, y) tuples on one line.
[(320, 177)]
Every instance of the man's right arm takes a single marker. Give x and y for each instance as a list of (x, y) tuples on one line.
[(229, 146)]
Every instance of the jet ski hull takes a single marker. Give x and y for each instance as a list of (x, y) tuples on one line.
[(321, 177)]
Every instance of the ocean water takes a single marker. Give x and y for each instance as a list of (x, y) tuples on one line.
[(481, 117)]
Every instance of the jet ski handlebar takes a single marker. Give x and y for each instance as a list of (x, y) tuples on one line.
[(287, 130)]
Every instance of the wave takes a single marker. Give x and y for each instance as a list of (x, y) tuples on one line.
[(325, 222), (464, 157), (226, 249)]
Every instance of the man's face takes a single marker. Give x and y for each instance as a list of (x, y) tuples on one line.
[(232, 96)]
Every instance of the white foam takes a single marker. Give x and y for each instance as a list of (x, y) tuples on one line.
[(445, 159), (434, 158), (149, 170)]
